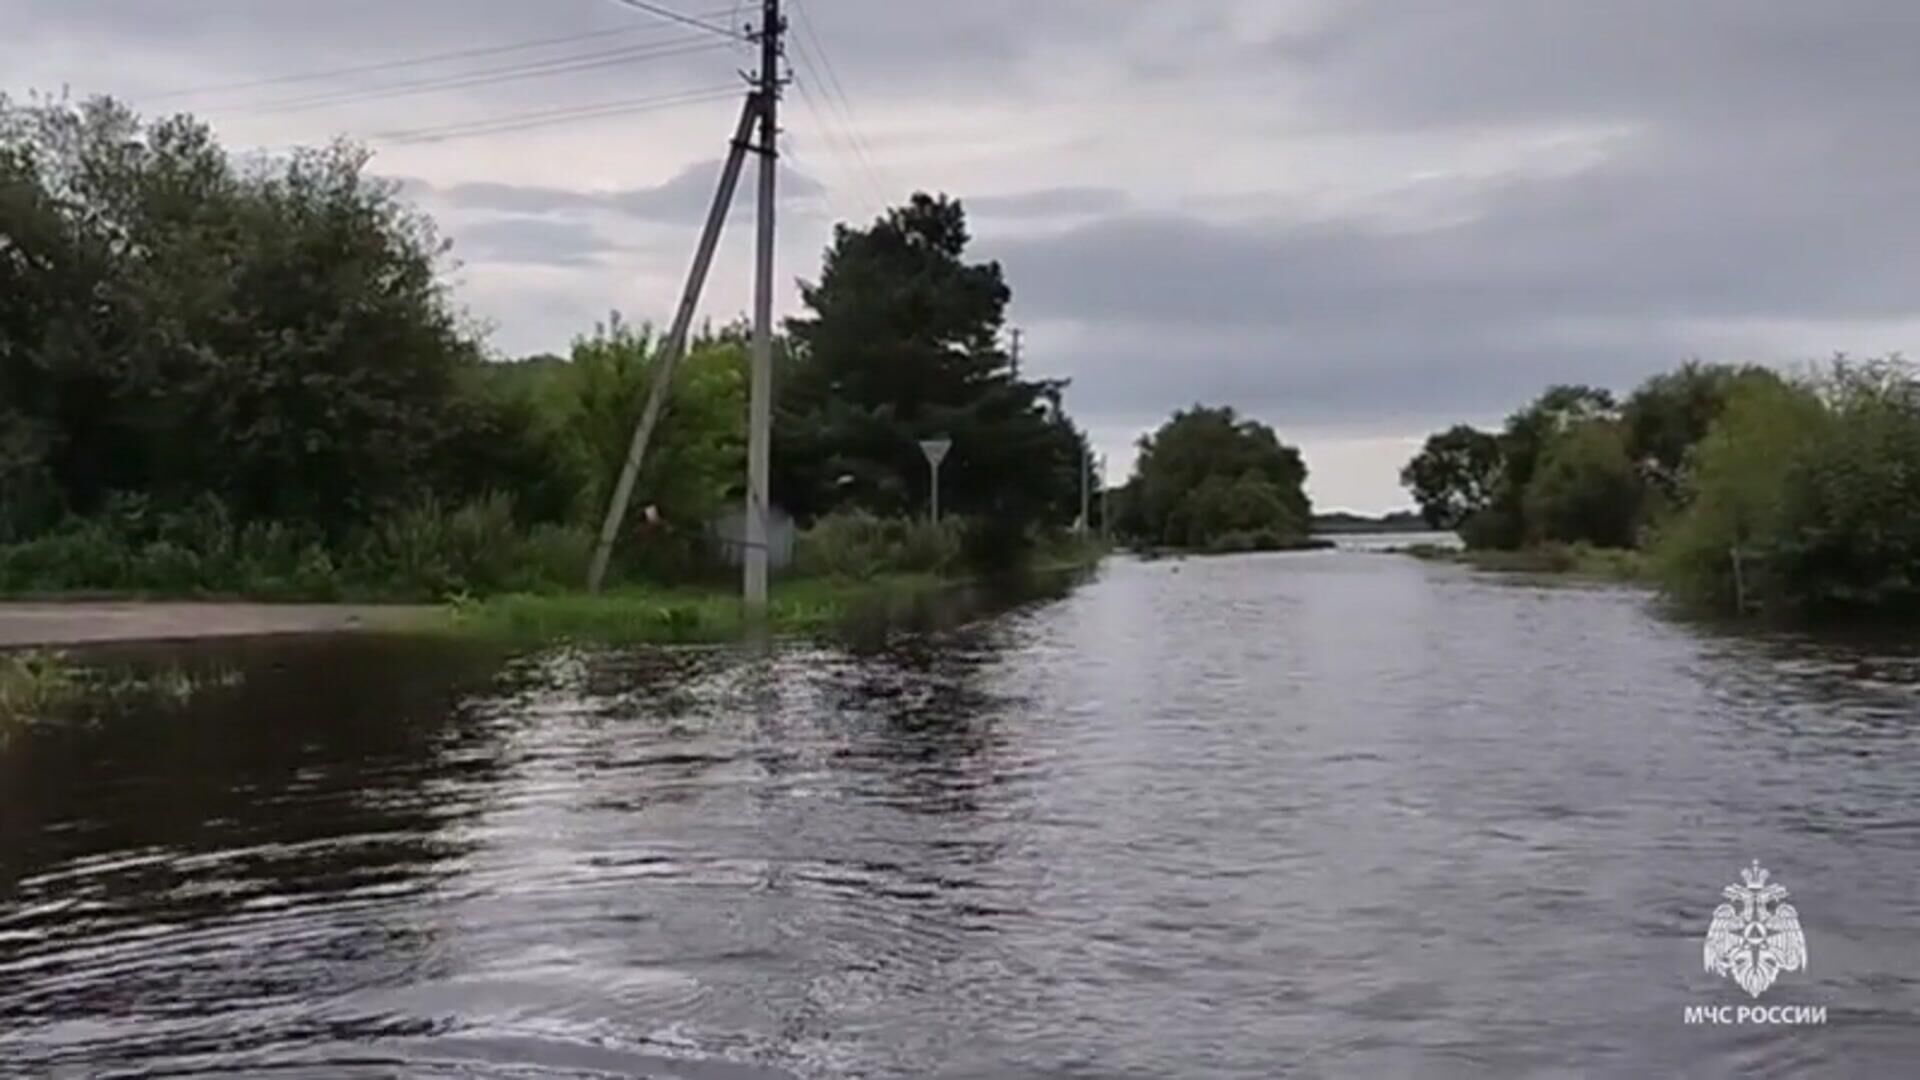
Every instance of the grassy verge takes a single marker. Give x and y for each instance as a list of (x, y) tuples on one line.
[(1575, 560), (800, 606)]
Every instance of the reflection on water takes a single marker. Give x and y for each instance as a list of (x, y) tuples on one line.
[(1332, 814)]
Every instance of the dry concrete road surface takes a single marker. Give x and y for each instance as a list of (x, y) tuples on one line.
[(87, 622)]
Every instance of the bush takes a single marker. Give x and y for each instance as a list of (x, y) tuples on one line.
[(428, 551), (1816, 486), (1495, 528), (856, 545), (1735, 501), (1585, 488)]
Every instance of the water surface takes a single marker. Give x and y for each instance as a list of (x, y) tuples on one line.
[(1334, 814)]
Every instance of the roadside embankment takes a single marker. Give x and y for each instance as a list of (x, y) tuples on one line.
[(83, 622)]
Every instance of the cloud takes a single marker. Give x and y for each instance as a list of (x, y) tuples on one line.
[(683, 200), (533, 241), (1355, 218), (1048, 203)]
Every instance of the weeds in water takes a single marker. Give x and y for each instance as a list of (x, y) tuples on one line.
[(38, 687), (34, 684)]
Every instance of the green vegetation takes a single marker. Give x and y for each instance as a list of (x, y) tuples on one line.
[(652, 615), (1805, 499), (32, 685), (1733, 488), (851, 568), (41, 687), (246, 378), (1210, 481), (853, 545), (1579, 560), (424, 551), (901, 344)]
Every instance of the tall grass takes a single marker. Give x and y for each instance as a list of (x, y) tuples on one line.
[(639, 614), (33, 684), (857, 546), (427, 551)]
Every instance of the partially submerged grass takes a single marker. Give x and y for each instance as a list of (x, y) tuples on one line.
[(34, 684), (684, 615), (38, 686)]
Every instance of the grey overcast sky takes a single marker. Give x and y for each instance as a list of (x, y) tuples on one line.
[(1357, 220)]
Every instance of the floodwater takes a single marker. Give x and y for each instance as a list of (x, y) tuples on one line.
[(1334, 814)]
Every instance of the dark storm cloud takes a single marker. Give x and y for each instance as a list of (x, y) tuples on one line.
[(1621, 241), (1700, 62), (1671, 165), (1766, 170)]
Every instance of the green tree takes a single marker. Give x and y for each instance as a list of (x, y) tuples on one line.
[(1670, 413), (1523, 442), (177, 324), (1585, 488), (900, 345), (1736, 499), (1455, 476), (1849, 531), (1206, 474), (588, 404)]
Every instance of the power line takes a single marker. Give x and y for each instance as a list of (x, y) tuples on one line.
[(803, 163), (687, 20), (403, 62), (490, 76), (549, 117), (829, 139), (834, 89)]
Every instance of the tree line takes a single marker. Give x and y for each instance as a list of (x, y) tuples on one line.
[(1746, 488), (248, 374)]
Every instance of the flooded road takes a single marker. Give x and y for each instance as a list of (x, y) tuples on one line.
[(1337, 814)]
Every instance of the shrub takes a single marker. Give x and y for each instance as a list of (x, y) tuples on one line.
[(1736, 498), (1586, 488), (856, 545), (428, 551), (927, 548), (1817, 487)]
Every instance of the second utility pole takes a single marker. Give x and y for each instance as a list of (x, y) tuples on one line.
[(760, 399)]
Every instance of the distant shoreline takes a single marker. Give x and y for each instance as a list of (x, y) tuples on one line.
[(1342, 524)]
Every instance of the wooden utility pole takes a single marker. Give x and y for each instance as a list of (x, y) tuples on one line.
[(760, 401), (674, 346), (1017, 334)]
